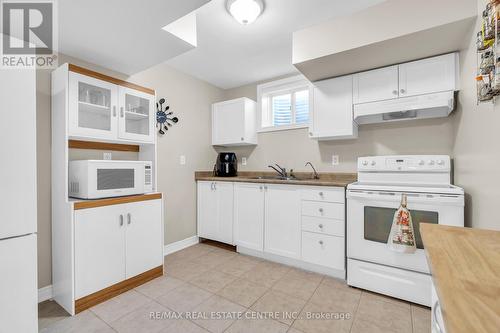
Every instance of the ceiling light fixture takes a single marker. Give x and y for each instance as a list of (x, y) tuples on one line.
[(245, 11)]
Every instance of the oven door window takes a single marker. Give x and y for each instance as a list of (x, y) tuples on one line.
[(114, 179), (378, 222)]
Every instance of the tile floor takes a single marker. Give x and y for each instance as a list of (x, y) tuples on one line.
[(203, 279)]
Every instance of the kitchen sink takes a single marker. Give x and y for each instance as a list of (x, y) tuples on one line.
[(279, 178)]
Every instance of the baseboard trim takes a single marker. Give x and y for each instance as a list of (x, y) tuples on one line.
[(45, 293), (179, 245)]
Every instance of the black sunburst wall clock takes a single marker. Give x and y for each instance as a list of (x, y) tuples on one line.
[(164, 119)]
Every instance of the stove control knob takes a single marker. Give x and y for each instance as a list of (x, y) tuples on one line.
[(373, 163), (431, 162), (421, 162), (440, 162), (365, 162)]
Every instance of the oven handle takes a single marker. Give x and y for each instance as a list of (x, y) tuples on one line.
[(412, 197)]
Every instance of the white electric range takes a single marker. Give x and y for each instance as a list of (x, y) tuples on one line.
[(371, 204)]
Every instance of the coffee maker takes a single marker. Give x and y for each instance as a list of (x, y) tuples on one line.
[(226, 165)]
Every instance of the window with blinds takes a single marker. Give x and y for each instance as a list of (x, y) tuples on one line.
[(290, 108), (284, 104)]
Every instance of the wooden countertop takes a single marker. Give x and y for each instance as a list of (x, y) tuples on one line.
[(305, 178), (465, 267), (94, 203)]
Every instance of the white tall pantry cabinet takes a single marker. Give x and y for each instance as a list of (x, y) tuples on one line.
[(102, 247), (18, 201)]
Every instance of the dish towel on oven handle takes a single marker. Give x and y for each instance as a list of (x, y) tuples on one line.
[(402, 237)]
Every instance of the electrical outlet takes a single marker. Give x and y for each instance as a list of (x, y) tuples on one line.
[(243, 161), (182, 160), (107, 156), (335, 160)]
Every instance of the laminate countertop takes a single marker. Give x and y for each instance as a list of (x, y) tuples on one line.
[(303, 178), (465, 267)]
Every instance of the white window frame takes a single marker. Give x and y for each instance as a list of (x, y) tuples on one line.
[(266, 91)]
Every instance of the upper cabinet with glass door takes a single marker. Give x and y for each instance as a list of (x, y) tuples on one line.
[(103, 110), (92, 107), (136, 115)]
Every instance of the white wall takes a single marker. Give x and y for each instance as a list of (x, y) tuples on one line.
[(190, 99), (477, 136)]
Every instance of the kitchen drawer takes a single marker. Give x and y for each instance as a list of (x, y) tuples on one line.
[(323, 250), (325, 195), (329, 210), (323, 226)]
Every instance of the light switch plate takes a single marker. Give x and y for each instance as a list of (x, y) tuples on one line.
[(107, 156), (243, 161), (182, 160), (335, 160)]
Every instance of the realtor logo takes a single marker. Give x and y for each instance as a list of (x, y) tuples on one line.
[(28, 34)]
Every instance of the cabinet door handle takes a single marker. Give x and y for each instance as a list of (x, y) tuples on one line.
[(321, 194), (242, 139), (394, 92), (121, 111), (320, 226), (121, 220), (129, 218), (320, 242), (265, 188), (260, 188), (321, 210), (114, 110), (402, 91), (436, 322), (215, 186)]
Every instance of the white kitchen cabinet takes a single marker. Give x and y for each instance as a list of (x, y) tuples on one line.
[(324, 250), (249, 216), (430, 75), (93, 107), (282, 220), (137, 115), (332, 113), (215, 211), (99, 109), (99, 248), (144, 233), (18, 290), (234, 123), (303, 226), (376, 85), (116, 242)]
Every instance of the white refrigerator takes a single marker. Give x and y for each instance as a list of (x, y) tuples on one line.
[(18, 202)]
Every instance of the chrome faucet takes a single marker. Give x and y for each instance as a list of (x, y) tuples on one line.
[(281, 171), (316, 176)]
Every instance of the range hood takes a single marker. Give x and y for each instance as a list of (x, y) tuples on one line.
[(434, 105)]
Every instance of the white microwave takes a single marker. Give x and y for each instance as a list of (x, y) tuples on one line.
[(94, 179)]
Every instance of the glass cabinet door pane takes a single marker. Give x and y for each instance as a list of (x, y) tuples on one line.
[(378, 223), (94, 107), (137, 116)]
